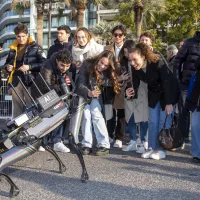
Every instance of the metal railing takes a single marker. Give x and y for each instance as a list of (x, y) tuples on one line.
[(6, 106)]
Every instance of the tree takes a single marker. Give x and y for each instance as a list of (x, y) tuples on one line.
[(180, 21), (140, 12)]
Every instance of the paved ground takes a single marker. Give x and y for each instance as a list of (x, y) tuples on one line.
[(117, 176)]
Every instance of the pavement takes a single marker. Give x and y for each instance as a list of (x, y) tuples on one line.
[(120, 175)]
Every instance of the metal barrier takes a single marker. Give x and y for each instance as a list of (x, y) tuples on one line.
[(6, 106)]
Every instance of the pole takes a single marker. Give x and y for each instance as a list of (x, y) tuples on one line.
[(49, 33)]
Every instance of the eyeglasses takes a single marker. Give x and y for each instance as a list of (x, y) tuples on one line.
[(118, 34)]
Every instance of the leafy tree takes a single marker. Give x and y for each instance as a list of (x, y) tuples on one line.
[(180, 21)]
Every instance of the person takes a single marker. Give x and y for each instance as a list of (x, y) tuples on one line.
[(163, 93), (25, 58), (59, 65), (171, 53), (136, 109), (184, 65), (115, 128), (97, 82), (193, 105), (62, 42), (84, 47)]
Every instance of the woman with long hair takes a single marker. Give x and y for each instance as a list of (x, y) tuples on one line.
[(136, 108), (97, 83), (163, 93)]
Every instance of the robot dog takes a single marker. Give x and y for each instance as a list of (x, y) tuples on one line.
[(41, 117)]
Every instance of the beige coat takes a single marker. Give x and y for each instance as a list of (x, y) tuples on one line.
[(138, 107)]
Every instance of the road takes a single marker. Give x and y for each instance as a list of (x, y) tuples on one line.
[(120, 175)]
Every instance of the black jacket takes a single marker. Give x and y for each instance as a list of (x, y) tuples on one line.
[(186, 58), (51, 73), (162, 84), (86, 81), (58, 47), (34, 57)]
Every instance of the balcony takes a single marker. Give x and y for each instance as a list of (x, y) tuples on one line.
[(106, 14), (11, 17), (4, 5)]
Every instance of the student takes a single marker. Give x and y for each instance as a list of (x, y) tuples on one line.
[(163, 93), (97, 82)]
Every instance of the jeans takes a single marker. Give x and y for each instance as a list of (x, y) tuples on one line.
[(92, 115), (195, 123), (184, 115), (131, 128), (156, 121)]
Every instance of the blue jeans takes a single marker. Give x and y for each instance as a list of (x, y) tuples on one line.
[(156, 122), (131, 129), (195, 134), (92, 115)]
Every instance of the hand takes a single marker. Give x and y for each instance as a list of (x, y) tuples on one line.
[(124, 76), (94, 93), (130, 93), (1, 49), (24, 68), (169, 109), (10, 68)]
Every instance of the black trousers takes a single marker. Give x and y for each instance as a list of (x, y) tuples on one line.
[(115, 125), (184, 115)]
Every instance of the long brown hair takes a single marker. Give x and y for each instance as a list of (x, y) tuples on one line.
[(87, 34), (146, 51), (95, 73)]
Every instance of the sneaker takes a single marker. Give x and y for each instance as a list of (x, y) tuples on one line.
[(41, 149), (102, 151), (145, 145), (118, 144), (157, 155), (86, 150), (147, 153), (141, 149), (59, 146), (131, 146)]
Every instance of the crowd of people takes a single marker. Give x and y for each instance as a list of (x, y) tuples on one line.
[(128, 85)]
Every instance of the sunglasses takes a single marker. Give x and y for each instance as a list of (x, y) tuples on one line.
[(119, 35)]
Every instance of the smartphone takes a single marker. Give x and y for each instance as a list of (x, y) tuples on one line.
[(1, 44)]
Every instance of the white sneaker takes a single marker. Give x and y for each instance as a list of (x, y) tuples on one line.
[(118, 144), (131, 146), (158, 155), (59, 146), (145, 145), (147, 153), (41, 149), (141, 149)]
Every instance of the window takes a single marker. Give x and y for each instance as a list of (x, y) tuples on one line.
[(62, 21), (45, 39), (54, 22), (45, 24)]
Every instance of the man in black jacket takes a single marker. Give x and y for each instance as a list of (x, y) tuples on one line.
[(184, 65), (25, 57), (62, 42), (59, 65)]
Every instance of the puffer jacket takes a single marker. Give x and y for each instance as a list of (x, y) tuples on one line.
[(51, 73), (59, 47), (185, 59), (34, 57)]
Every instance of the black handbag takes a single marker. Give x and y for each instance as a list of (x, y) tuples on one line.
[(170, 138)]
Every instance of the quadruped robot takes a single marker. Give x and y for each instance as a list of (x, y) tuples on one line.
[(40, 118)]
